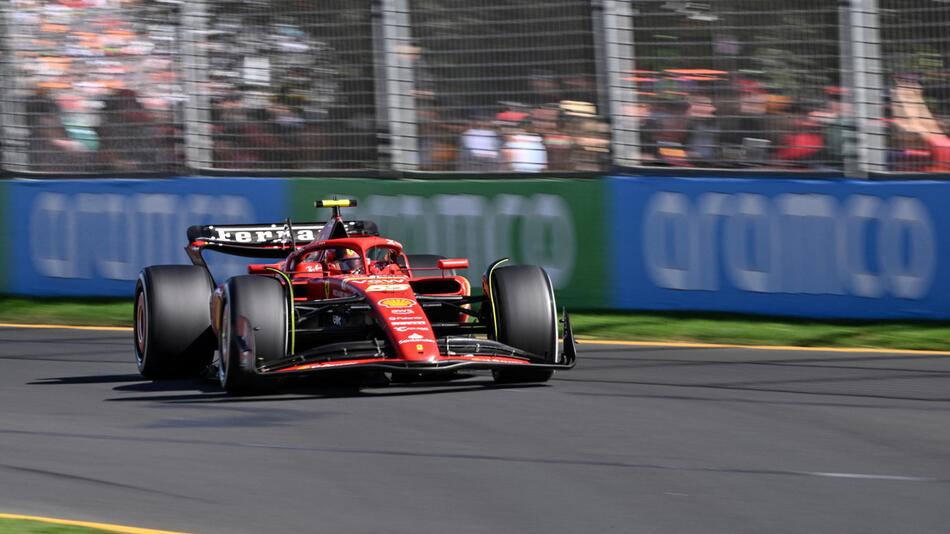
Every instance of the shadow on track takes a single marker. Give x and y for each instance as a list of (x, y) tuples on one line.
[(775, 386), (209, 393), (88, 379), (760, 402)]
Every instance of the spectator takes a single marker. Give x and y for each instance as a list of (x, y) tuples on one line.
[(666, 130), (480, 149), (703, 138), (229, 121), (835, 119), (437, 149), (743, 123), (589, 141), (801, 142), (523, 150), (50, 147), (128, 136), (553, 125), (545, 89)]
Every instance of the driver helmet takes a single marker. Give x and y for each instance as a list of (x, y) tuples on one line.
[(345, 260)]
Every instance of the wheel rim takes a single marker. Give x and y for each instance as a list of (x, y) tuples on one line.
[(224, 345), (141, 325)]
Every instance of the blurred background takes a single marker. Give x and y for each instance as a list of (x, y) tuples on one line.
[(720, 155), (99, 87)]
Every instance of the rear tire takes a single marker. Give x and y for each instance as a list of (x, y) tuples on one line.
[(263, 302), (172, 323), (526, 316)]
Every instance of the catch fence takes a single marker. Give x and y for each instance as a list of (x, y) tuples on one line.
[(118, 87)]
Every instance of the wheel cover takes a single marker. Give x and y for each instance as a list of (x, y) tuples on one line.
[(224, 345), (141, 326)]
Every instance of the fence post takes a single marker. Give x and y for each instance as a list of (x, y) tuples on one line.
[(861, 67), (15, 140), (197, 119), (613, 33), (395, 85)]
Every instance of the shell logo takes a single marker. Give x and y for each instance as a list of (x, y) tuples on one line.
[(396, 303)]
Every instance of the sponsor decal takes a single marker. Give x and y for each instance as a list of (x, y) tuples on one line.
[(402, 311), (387, 287), (262, 235), (791, 243), (418, 322), (419, 340), (410, 329), (415, 337), (397, 303), (92, 237), (375, 279)]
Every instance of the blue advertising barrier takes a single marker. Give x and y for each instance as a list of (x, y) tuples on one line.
[(829, 249), (5, 222), (91, 237)]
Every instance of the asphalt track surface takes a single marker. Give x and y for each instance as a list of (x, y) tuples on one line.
[(652, 440)]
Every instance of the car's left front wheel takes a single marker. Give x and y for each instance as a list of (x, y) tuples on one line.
[(172, 325)]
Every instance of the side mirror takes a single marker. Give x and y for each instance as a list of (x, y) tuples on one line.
[(453, 263), (309, 267), (261, 268)]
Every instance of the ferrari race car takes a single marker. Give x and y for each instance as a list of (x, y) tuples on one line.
[(341, 300)]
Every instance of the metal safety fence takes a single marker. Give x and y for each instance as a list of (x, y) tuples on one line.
[(914, 51), (113, 87), (730, 84), (506, 85), (94, 88), (279, 85)]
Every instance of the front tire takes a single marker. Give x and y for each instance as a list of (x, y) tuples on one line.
[(172, 324), (257, 306), (524, 316)]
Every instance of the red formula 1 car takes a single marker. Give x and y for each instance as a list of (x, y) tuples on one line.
[(341, 299)]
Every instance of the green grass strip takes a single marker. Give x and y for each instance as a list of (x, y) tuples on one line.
[(754, 330), (705, 328), (19, 526), (94, 312)]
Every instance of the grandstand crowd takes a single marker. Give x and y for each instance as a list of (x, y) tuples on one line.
[(100, 83)]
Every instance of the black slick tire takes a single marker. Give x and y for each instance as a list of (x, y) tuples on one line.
[(525, 313), (255, 305), (172, 325)]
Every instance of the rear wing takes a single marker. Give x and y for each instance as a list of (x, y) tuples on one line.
[(275, 240)]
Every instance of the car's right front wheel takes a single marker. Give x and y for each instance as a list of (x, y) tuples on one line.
[(524, 316), (254, 319)]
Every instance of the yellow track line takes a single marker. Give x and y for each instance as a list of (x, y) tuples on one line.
[(88, 524), (68, 327), (582, 341), (689, 345)]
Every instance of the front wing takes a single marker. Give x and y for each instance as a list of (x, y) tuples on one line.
[(456, 353)]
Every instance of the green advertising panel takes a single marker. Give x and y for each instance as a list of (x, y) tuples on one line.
[(555, 223), (5, 239)]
